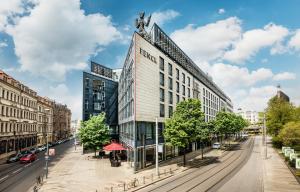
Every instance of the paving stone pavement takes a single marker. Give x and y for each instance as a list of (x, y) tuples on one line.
[(277, 176)]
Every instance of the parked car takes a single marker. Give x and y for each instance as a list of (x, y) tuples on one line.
[(41, 148), (216, 146), (25, 152), (14, 158), (34, 150), (28, 158)]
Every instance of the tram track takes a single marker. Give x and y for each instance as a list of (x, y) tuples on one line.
[(191, 178)]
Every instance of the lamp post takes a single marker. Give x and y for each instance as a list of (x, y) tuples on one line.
[(265, 136), (47, 144), (156, 144)]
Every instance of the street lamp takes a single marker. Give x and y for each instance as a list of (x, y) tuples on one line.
[(47, 144)]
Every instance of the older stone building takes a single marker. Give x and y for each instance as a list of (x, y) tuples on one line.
[(44, 120), (61, 121), (18, 116)]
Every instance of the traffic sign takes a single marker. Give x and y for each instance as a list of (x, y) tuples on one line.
[(51, 152)]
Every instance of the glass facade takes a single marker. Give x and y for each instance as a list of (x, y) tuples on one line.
[(100, 94)]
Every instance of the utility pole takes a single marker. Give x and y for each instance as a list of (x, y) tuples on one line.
[(47, 143), (156, 144), (265, 136)]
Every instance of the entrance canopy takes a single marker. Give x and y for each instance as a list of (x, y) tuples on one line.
[(114, 147)]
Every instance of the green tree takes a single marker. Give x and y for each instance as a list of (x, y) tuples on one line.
[(185, 124), (279, 112), (224, 124), (94, 133), (290, 134)]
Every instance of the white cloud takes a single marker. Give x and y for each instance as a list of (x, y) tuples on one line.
[(3, 44), (62, 94), (253, 40), (284, 76), (162, 17), (208, 42), (58, 37), (295, 41), (265, 60), (231, 77), (221, 11), (255, 98), (8, 9)]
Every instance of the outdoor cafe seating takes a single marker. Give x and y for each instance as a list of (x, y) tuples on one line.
[(115, 159)]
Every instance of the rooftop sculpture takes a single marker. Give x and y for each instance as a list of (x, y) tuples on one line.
[(141, 23)]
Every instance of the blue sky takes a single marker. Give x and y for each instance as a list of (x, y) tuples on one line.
[(248, 47)]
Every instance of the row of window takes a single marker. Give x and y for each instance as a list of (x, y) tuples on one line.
[(11, 127), (17, 113), (11, 96), (170, 71)]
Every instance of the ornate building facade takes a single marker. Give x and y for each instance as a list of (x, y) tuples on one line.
[(61, 121), (18, 116), (26, 119), (44, 120)]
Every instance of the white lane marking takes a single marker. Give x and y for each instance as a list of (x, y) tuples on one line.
[(4, 177), (17, 170), (37, 160), (27, 165)]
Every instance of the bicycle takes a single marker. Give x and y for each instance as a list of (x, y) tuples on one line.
[(134, 183)]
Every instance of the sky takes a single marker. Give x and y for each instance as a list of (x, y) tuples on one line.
[(247, 47)]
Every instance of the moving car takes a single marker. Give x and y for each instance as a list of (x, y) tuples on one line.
[(25, 152), (41, 148), (14, 158), (28, 158), (216, 146)]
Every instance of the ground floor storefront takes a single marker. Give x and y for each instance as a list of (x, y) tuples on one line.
[(12, 144)]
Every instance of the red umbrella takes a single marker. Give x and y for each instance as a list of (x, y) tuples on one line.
[(114, 147)]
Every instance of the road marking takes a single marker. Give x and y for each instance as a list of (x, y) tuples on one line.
[(27, 165), (4, 177), (17, 170)]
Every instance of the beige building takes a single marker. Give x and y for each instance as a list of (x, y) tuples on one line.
[(157, 75), (18, 116), (251, 116), (61, 121), (44, 120)]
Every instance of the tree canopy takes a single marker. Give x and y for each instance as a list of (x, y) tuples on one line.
[(290, 134), (278, 113), (185, 124), (94, 133)]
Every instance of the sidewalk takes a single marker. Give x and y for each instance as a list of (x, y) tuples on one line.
[(81, 173), (277, 177)]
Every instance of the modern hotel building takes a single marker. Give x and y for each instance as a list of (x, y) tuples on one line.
[(157, 75)]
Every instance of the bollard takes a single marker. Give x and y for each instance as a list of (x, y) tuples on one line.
[(152, 177), (124, 186), (111, 189), (170, 170), (35, 189), (144, 180), (165, 172)]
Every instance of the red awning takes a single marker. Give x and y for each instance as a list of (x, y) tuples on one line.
[(114, 147)]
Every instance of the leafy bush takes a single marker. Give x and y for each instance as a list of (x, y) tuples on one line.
[(276, 141), (292, 163)]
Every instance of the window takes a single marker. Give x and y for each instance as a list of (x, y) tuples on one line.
[(183, 78), (177, 87), (161, 79), (170, 111), (177, 74), (170, 97), (189, 81), (177, 99), (170, 83), (170, 69), (162, 95), (189, 92), (161, 64), (183, 90), (162, 110)]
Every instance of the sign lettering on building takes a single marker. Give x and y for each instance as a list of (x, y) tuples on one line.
[(147, 55)]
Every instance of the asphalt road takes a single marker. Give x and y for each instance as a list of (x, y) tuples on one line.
[(207, 177), (16, 177), (250, 177)]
